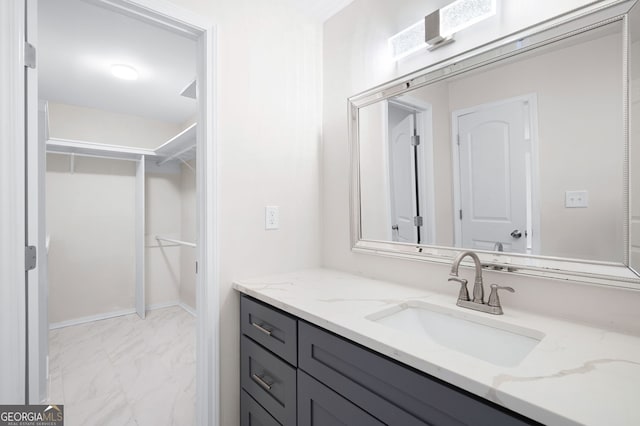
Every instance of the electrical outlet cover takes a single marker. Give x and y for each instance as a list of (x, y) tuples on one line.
[(271, 217), (576, 199)]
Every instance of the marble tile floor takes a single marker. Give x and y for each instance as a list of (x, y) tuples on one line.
[(126, 371)]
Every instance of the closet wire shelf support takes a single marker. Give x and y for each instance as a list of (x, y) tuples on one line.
[(174, 241)]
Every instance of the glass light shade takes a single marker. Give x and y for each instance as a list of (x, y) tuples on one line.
[(408, 41), (124, 72), (463, 13)]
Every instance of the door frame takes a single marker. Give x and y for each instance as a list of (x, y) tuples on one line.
[(424, 124), (533, 179), (12, 203), (13, 223)]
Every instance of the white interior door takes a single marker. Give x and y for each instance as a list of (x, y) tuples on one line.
[(37, 286), (12, 204), (403, 182), (494, 151)]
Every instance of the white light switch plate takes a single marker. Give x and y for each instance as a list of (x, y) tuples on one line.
[(271, 217), (576, 199)]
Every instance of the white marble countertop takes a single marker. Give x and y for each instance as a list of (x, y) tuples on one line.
[(575, 375)]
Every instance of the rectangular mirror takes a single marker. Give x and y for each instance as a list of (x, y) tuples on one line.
[(520, 152)]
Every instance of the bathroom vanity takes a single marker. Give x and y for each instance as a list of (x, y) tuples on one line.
[(320, 346), (477, 152)]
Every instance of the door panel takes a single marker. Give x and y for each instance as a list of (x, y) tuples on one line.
[(12, 202), (403, 185), (493, 153), (489, 174), (37, 293)]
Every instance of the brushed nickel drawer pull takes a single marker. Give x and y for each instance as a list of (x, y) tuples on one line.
[(259, 380), (261, 328)]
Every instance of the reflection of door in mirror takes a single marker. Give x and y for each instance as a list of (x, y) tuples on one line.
[(405, 188), (410, 172), (493, 192)]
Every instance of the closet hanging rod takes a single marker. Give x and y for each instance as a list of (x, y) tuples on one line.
[(171, 240)]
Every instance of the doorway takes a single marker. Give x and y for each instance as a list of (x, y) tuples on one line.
[(176, 20), (410, 168), (495, 176)]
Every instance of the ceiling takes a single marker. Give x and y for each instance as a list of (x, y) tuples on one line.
[(320, 10), (77, 44), (79, 41)]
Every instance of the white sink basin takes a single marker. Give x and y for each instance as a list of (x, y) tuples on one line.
[(482, 337)]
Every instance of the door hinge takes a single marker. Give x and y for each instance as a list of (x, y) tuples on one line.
[(458, 138), (196, 266), (460, 214), (30, 258), (417, 220), (415, 140), (29, 55)]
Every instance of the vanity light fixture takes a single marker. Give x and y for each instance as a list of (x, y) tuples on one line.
[(125, 72), (441, 25), (408, 41), (437, 28)]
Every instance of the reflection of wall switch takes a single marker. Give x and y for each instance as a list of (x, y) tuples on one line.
[(576, 199), (271, 217)]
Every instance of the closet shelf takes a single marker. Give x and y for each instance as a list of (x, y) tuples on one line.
[(66, 146), (182, 146)]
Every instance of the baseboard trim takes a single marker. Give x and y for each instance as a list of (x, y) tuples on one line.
[(108, 315), (187, 308), (91, 318), (162, 305)]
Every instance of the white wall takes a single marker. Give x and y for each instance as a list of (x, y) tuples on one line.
[(374, 157), (94, 125), (90, 219), (268, 128), (163, 201), (354, 60)]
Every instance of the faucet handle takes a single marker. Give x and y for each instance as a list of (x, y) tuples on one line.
[(494, 300), (464, 293)]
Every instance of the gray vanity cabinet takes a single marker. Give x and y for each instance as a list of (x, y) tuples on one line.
[(320, 406), (393, 393), (268, 361), (253, 414), (338, 382)]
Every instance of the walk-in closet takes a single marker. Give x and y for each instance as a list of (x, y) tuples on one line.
[(121, 225), (121, 209)]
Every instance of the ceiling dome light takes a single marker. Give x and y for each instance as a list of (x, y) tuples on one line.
[(124, 72)]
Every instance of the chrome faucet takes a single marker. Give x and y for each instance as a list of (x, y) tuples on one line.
[(493, 304)]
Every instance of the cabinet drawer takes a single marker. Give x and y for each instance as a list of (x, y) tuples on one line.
[(320, 406), (269, 380), (252, 413), (380, 385), (273, 329)]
